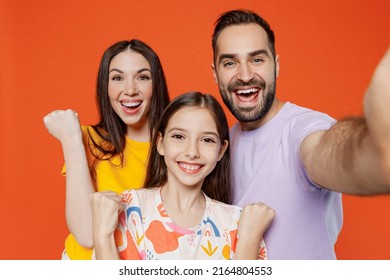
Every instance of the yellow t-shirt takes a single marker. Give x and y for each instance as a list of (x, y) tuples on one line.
[(110, 175)]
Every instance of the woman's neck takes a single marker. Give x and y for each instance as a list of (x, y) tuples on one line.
[(139, 134)]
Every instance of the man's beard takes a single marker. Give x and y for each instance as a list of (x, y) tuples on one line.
[(253, 113)]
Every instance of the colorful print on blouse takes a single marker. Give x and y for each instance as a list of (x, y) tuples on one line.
[(145, 231)]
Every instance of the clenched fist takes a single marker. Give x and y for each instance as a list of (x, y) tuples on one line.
[(63, 125)]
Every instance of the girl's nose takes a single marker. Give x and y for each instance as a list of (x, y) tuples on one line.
[(192, 151)]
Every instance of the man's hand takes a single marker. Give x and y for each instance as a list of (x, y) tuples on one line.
[(377, 104)]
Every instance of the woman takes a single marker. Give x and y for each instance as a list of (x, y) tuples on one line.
[(111, 155)]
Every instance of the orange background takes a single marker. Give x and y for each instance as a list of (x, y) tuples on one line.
[(49, 55)]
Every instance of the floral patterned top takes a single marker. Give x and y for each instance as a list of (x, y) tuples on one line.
[(145, 231)]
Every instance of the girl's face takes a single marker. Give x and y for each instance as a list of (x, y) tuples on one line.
[(130, 88), (191, 146)]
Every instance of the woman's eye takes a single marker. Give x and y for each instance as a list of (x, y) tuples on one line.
[(144, 78), (117, 78)]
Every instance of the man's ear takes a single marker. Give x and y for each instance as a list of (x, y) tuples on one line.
[(160, 144), (277, 65), (223, 149), (214, 73)]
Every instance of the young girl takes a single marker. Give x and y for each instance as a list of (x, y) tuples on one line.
[(111, 155), (181, 212)]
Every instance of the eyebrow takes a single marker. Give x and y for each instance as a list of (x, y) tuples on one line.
[(254, 53), (139, 71), (185, 130)]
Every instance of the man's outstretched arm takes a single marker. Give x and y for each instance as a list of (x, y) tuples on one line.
[(354, 155)]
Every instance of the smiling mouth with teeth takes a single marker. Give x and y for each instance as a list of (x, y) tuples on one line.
[(131, 105), (247, 91), (247, 95), (190, 168)]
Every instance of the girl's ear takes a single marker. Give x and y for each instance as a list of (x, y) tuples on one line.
[(223, 149), (160, 144)]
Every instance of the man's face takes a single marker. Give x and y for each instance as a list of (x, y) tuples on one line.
[(245, 70)]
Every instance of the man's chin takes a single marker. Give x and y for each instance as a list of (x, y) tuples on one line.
[(245, 117)]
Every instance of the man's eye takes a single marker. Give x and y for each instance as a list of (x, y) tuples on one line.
[(228, 63), (258, 60)]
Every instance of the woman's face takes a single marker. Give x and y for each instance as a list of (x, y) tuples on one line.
[(130, 88)]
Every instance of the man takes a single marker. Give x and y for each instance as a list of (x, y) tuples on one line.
[(296, 160)]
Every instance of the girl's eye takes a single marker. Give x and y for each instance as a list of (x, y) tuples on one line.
[(209, 140), (177, 136)]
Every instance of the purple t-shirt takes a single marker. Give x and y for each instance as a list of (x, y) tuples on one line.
[(267, 168)]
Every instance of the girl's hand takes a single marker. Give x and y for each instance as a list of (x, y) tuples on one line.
[(105, 209), (255, 219)]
